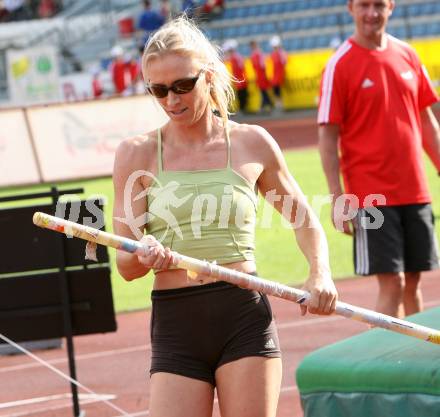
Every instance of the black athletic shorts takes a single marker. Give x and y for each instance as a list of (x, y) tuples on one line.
[(194, 330), (392, 239)]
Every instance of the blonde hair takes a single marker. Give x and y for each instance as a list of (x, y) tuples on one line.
[(183, 37)]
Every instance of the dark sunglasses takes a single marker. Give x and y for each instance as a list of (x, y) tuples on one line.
[(183, 86)]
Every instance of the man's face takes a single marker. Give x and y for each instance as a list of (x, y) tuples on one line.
[(370, 16)]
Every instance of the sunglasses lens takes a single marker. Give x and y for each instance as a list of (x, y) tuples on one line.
[(184, 86), (159, 91), (178, 87)]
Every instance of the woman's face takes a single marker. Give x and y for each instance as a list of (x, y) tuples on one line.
[(172, 74)]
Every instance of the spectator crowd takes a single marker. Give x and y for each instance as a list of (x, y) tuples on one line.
[(271, 85), (16, 10), (123, 67)]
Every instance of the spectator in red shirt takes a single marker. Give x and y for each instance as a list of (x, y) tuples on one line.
[(259, 64), (120, 76), (238, 72), (46, 8), (97, 86), (134, 72), (279, 61)]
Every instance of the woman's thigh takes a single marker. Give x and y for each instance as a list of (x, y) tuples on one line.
[(249, 387), (179, 396)]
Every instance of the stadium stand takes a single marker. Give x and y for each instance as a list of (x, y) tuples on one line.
[(86, 30), (313, 24)]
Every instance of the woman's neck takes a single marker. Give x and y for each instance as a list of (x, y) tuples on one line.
[(206, 129)]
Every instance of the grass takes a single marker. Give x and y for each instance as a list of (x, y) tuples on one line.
[(278, 256)]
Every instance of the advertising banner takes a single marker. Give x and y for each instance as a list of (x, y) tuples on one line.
[(78, 140), (17, 160), (304, 70), (76, 86), (429, 53), (33, 75), (303, 76)]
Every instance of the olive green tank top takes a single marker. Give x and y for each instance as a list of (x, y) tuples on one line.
[(206, 214)]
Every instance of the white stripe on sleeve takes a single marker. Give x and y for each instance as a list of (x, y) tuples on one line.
[(327, 86), (426, 74)]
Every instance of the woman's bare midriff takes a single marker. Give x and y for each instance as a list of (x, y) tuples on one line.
[(179, 278)]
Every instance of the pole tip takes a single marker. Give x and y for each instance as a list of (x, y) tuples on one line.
[(39, 218), (36, 218)]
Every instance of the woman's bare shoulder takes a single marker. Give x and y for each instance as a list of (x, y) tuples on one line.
[(252, 137), (138, 143), (137, 150)]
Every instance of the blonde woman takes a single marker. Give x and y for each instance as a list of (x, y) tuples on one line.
[(200, 174)]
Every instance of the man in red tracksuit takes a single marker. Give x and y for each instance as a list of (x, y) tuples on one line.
[(375, 121)]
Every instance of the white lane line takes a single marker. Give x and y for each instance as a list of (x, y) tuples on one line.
[(288, 389), (138, 414), (55, 397), (83, 399), (85, 356), (33, 400), (140, 348), (48, 409)]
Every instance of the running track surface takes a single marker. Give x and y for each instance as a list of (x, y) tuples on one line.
[(114, 365)]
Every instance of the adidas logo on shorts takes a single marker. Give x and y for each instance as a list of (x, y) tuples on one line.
[(270, 344)]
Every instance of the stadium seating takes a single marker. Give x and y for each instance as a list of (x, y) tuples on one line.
[(89, 29), (313, 23)]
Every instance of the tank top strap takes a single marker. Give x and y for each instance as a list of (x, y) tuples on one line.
[(159, 151), (228, 143)]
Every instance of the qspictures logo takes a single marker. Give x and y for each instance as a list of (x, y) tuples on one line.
[(208, 209)]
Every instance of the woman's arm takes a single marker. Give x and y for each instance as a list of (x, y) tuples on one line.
[(130, 180), (276, 179), (126, 208)]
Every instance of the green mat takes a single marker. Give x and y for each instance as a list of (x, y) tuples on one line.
[(377, 373)]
